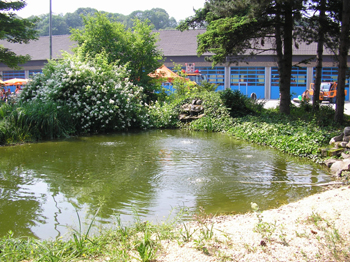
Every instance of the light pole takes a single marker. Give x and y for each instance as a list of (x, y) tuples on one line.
[(50, 29)]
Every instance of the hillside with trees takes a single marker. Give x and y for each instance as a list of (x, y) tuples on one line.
[(61, 24)]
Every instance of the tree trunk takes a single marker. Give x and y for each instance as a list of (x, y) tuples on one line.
[(286, 63), (316, 99), (343, 54)]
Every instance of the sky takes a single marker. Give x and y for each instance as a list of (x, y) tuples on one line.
[(179, 9)]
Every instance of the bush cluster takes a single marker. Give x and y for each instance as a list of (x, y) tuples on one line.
[(240, 105), (296, 137), (98, 95)]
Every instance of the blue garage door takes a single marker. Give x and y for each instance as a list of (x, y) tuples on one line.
[(297, 84), (6, 75), (248, 80), (214, 75), (330, 74)]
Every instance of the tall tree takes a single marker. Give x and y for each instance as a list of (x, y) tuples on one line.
[(236, 28), (319, 59), (59, 25), (14, 30), (320, 24), (135, 47), (157, 16), (343, 55)]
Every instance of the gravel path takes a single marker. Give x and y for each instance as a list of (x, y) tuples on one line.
[(316, 228)]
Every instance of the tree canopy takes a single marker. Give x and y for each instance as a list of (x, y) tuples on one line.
[(61, 24), (236, 28), (15, 30), (135, 47)]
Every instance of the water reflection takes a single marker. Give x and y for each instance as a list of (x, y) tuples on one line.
[(43, 185)]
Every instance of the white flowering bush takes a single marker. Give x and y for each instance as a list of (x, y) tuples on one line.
[(99, 95)]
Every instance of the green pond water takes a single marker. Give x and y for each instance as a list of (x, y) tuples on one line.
[(44, 185)]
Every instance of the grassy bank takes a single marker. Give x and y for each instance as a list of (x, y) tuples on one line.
[(137, 241), (312, 229), (302, 133)]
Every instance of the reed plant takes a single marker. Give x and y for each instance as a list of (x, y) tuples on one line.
[(33, 122)]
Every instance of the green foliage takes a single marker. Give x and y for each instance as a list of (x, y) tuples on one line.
[(240, 105), (158, 17), (61, 24), (205, 86), (217, 118), (164, 115), (186, 232), (134, 48), (80, 238), (97, 94), (225, 36), (294, 136), (237, 29), (147, 247), (232, 27), (34, 121), (117, 244), (183, 87), (15, 30)]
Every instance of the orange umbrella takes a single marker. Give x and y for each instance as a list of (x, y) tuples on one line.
[(164, 72), (16, 81)]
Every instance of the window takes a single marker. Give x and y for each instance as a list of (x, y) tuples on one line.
[(248, 80), (330, 74), (6, 75), (298, 79), (253, 76)]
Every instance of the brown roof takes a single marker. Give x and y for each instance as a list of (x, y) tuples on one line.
[(177, 43), (172, 42), (40, 49)]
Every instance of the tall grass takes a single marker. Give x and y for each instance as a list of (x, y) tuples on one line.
[(34, 121)]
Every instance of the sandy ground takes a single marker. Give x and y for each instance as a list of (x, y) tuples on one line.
[(316, 228)]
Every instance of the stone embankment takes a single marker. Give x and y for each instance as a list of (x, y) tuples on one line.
[(340, 148), (192, 111)]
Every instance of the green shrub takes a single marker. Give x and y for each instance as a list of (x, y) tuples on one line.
[(296, 137), (164, 114), (98, 95), (217, 117), (240, 105)]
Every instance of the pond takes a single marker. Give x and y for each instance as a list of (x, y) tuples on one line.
[(45, 185)]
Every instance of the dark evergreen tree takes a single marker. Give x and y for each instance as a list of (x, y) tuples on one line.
[(238, 28), (320, 24), (343, 55)]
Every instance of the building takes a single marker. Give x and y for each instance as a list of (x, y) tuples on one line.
[(258, 74)]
